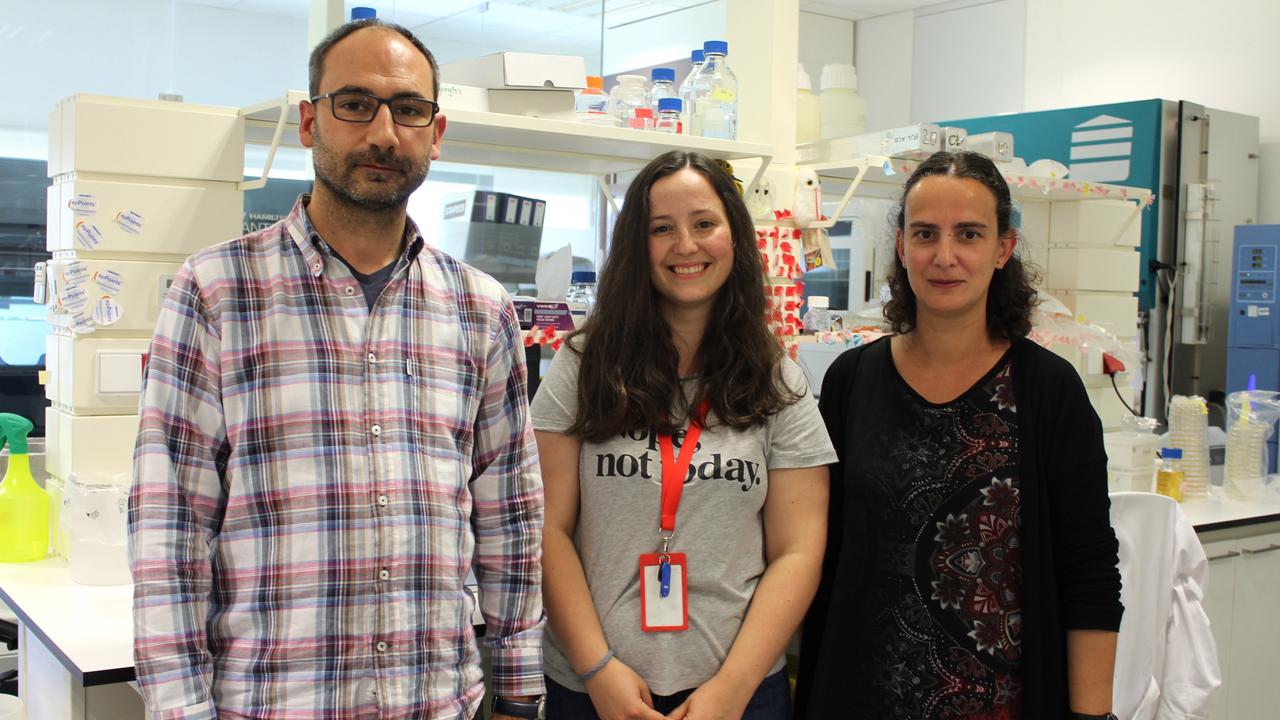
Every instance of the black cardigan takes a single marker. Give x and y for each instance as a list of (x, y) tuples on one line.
[(1070, 575)]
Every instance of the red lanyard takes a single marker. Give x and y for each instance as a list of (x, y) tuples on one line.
[(676, 469)]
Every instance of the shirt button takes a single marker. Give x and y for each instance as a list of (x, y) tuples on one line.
[(350, 290), (376, 430), (384, 574), (382, 647), (315, 267), (382, 500), (373, 358)]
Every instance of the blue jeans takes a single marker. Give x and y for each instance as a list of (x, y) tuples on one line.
[(771, 701)]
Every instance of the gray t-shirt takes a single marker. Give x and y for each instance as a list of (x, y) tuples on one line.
[(719, 526)]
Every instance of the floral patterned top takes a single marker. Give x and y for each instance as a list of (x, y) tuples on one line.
[(942, 621)]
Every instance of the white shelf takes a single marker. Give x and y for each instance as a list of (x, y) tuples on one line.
[(488, 138)]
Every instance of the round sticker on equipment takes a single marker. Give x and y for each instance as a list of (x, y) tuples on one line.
[(109, 280), (83, 204), (107, 311), (130, 221), (82, 325), (89, 236), (73, 299), (75, 273)]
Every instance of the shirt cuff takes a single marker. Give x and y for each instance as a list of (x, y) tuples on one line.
[(517, 671), (201, 711)]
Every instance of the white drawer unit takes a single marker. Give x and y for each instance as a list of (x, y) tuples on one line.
[(88, 295), (164, 221), (1096, 223), (1117, 313), (95, 444), (1109, 408), (96, 375), (1033, 243), (1093, 269), (95, 133)]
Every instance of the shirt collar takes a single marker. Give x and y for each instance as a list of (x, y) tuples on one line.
[(315, 250)]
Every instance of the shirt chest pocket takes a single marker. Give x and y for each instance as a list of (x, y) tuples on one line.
[(444, 388)]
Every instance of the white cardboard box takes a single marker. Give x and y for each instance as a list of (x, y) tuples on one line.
[(163, 221), (1093, 269), (518, 70), (462, 97), (96, 133), (552, 104), (1096, 223)]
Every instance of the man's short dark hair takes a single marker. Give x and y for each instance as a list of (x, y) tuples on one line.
[(316, 66)]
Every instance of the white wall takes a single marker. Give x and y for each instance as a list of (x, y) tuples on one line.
[(663, 38), (824, 40), (883, 55), (967, 59)]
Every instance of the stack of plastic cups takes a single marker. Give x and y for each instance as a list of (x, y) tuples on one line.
[(1189, 430)]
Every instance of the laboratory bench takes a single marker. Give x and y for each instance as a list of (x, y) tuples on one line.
[(76, 641)]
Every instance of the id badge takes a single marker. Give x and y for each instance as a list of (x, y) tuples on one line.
[(664, 593)]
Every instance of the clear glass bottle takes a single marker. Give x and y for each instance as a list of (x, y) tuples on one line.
[(686, 87), (592, 102), (669, 116), (1169, 476), (662, 85), (581, 296), (630, 94), (818, 318), (715, 95)]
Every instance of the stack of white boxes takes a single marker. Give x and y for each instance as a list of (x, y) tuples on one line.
[(137, 187), (1091, 263)]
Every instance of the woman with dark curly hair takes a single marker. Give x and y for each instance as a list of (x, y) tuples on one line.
[(971, 569), (683, 460)]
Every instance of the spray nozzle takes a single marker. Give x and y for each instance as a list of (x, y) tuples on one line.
[(13, 430)]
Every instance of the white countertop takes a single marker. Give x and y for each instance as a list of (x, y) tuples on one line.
[(89, 628), (1216, 513)]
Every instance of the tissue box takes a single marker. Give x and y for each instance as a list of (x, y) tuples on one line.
[(544, 313), (553, 104), (518, 70)]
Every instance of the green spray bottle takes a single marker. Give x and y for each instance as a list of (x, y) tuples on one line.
[(24, 506)]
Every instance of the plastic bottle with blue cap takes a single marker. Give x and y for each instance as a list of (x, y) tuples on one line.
[(715, 95), (363, 13), (662, 85), (686, 86), (581, 297), (668, 120)]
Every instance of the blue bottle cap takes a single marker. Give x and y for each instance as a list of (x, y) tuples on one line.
[(670, 104), (668, 74), (720, 47), (582, 276), (363, 13), (1171, 453), (697, 56)]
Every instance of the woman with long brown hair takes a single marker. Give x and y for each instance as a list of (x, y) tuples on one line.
[(683, 460)]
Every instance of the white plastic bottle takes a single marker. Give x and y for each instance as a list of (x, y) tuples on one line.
[(668, 116), (844, 112), (686, 88), (715, 94), (663, 85), (630, 94), (818, 318), (808, 109)]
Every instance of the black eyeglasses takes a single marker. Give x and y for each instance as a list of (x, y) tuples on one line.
[(358, 107)]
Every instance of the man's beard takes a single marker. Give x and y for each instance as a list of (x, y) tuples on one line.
[(337, 175)]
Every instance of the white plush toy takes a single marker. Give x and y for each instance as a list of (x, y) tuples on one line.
[(760, 201), (807, 209)]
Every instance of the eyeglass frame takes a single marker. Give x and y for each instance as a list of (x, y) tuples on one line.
[(435, 106)]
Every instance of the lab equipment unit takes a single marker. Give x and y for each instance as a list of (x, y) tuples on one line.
[(1202, 166), (1253, 330)]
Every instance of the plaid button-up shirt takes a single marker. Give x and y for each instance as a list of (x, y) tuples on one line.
[(313, 480)]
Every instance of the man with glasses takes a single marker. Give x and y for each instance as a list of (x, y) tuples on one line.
[(333, 432)]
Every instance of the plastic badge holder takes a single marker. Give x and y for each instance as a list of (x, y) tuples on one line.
[(94, 511), (1251, 415)]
